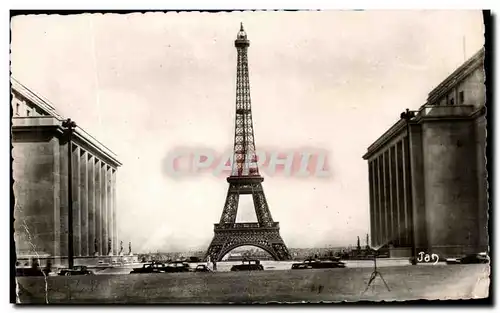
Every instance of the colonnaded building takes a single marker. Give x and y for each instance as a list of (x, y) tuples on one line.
[(40, 174), (432, 190)]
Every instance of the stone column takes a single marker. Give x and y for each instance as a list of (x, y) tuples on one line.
[(98, 202), (372, 202), (77, 245), (397, 206), (109, 221), (63, 203), (401, 192), (115, 230), (91, 203), (58, 207), (376, 227), (104, 218), (380, 210), (385, 192), (391, 196), (84, 191), (419, 214), (386, 196), (406, 189)]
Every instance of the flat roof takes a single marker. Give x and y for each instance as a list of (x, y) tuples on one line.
[(452, 80), (458, 75), (45, 105)]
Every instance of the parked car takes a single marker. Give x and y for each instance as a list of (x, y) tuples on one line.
[(153, 267), (76, 270), (202, 268), (248, 265), (331, 264), (301, 266), (116, 263), (314, 263), (477, 258), (193, 259), (102, 264), (177, 267)]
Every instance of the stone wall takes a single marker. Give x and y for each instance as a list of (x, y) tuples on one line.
[(35, 196), (418, 188), (449, 171), (480, 129)]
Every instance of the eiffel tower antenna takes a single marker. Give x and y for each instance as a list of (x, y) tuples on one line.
[(245, 179)]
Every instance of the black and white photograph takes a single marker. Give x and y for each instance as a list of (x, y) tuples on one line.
[(244, 157)]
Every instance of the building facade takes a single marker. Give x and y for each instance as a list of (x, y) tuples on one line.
[(40, 174), (428, 182)]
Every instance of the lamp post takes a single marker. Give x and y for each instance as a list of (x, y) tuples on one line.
[(407, 116), (69, 126)]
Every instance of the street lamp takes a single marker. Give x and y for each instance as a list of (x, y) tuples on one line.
[(407, 116), (70, 125)]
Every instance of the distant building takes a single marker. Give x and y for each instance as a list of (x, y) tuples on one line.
[(40, 173), (447, 203), (235, 257)]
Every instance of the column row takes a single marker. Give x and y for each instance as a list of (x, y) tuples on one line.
[(390, 196), (94, 205)]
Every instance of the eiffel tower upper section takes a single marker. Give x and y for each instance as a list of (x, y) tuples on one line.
[(245, 180), (245, 157)]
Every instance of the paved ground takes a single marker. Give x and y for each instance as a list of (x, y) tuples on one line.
[(405, 283)]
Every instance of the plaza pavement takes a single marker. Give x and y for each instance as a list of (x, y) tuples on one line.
[(332, 285)]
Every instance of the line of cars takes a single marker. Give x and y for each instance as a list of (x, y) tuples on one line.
[(171, 267), (182, 266), (476, 258), (246, 265), (317, 263), (254, 265), (76, 270)]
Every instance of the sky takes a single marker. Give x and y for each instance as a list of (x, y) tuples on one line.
[(148, 84)]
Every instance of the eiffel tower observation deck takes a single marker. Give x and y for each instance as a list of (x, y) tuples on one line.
[(245, 179)]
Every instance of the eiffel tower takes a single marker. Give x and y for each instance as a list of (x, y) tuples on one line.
[(245, 180)]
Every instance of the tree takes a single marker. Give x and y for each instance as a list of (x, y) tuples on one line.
[(359, 244)]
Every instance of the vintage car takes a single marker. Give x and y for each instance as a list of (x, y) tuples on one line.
[(153, 267), (202, 268), (301, 266), (116, 263), (76, 270), (477, 258), (177, 267), (248, 265), (193, 259), (314, 263)]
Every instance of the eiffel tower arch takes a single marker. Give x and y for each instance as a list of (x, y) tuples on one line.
[(245, 180)]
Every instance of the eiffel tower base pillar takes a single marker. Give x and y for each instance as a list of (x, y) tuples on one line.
[(230, 236)]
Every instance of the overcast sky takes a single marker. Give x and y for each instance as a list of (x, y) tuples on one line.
[(146, 84)]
